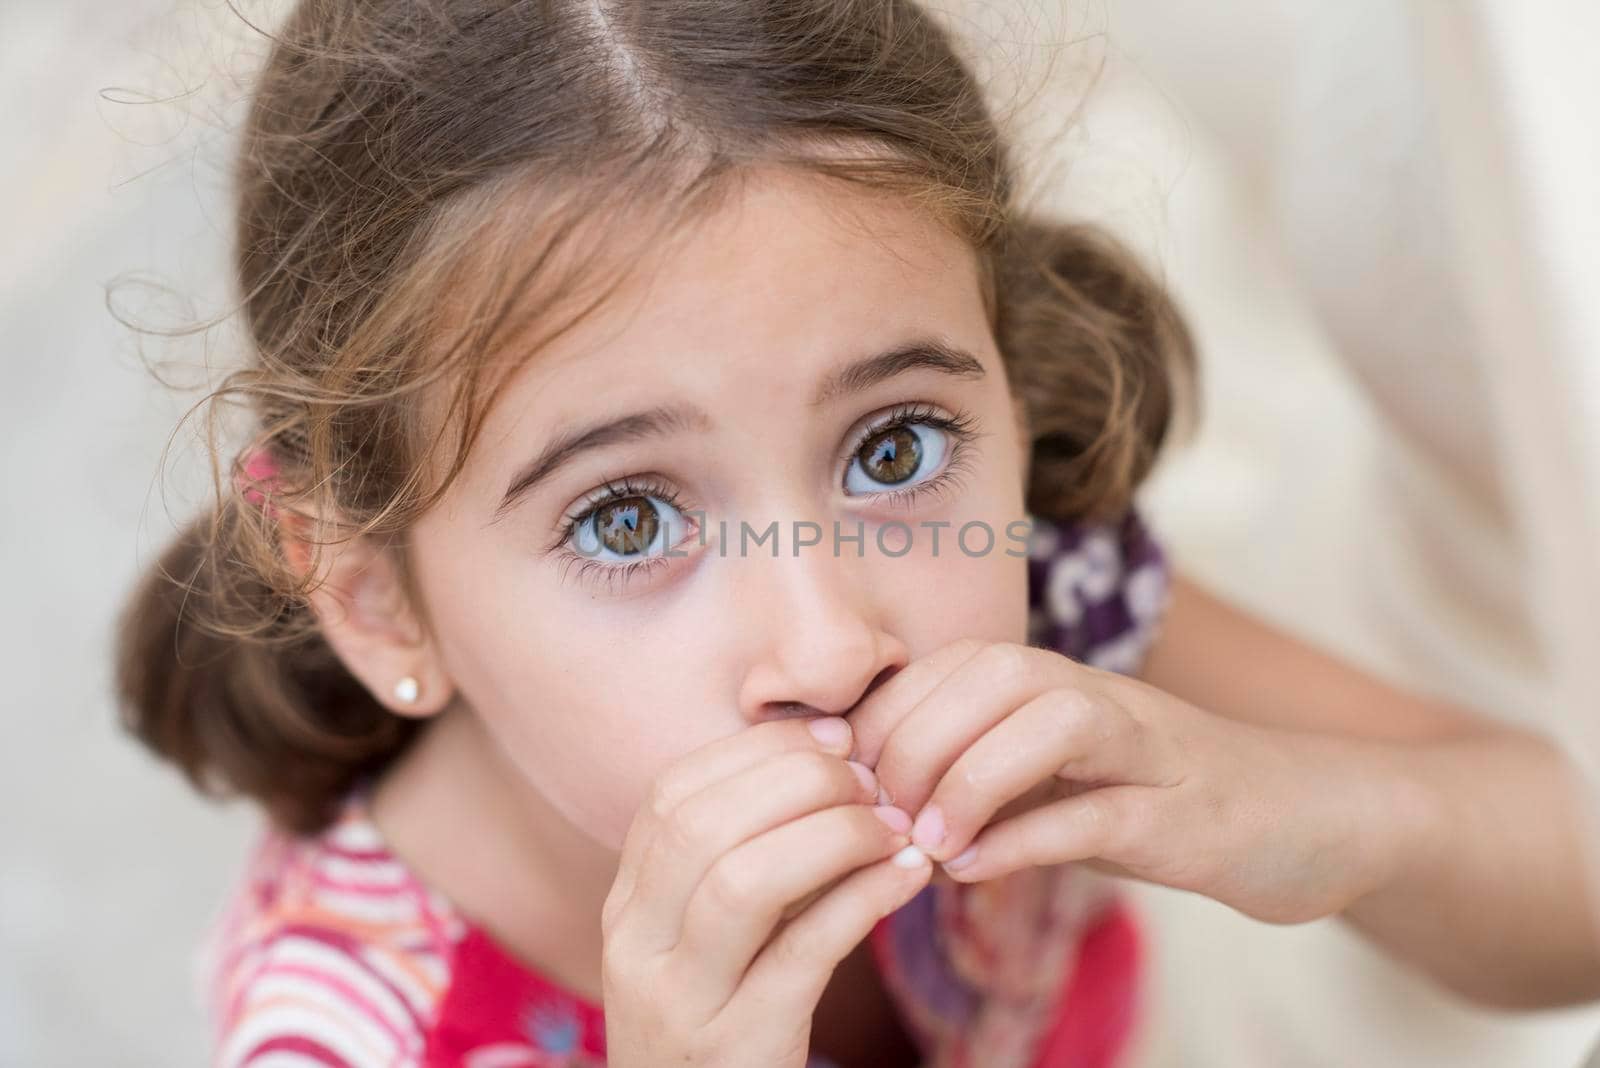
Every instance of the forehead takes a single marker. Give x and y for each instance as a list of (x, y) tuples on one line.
[(787, 262), (748, 303)]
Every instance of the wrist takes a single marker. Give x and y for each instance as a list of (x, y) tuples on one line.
[(1404, 822)]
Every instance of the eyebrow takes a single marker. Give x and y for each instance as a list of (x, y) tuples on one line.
[(661, 421), (924, 354)]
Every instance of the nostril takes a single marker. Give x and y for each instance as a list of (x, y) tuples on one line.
[(788, 709), (879, 679)]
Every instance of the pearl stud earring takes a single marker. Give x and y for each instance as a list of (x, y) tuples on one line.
[(406, 690)]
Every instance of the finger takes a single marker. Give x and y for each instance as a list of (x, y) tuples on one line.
[(874, 718), (1062, 734), (741, 900), (1106, 824), (699, 831), (712, 762), (790, 911), (981, 692), (794, 968)]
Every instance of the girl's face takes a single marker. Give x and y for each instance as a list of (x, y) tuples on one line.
[(733, 400)]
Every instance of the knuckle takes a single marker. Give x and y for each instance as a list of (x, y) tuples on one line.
[(673, 971), (817, 774), (613, 963), (734, 886), (618, 964), (1100, 820), (790, 953), (662, 800), (943, 660), (1075, 714), (1111, 707), (1003, 659), (967, 775), (689, 826)]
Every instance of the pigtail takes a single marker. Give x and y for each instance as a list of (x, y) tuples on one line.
[(1100, 359), (266, 710)]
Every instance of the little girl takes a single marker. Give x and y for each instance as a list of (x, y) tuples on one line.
[(688, 565)]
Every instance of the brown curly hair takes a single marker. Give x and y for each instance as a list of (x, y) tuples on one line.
[(389, 149)]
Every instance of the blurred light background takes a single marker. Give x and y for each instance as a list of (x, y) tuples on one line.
[(1379, 216)]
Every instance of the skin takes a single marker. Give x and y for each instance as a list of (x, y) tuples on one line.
[(548, 755), (1240, 763), (1317, 791)]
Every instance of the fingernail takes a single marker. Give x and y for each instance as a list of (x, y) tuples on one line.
[(929, 829), (910, 857), (869, 781), (962, 859), (830, 730), (883, 795), (896, 818)]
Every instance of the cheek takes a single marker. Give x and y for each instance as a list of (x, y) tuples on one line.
[(941, 593), (974, 582), (582, 728), (592, 763), (586, 732), (529, 683), (984, 597)]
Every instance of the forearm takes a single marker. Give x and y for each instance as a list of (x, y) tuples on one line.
[(1469, 830), (1485, 888)]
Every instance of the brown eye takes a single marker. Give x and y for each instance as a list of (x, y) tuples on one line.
[(903, 454), (891, 456), (627, 525)]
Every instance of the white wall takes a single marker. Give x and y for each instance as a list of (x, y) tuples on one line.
[(108, 868)]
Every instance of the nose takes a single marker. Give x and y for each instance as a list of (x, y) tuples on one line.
[(821, 642)]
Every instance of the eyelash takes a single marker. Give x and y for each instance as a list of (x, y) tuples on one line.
[(962, 428), (632, 486)]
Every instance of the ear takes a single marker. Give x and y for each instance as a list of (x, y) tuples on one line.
[(364, 614)]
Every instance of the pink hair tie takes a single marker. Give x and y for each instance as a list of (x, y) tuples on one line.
[(258, 467)]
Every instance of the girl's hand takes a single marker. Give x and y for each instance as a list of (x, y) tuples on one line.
[(754, 867), (1032, 758)]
